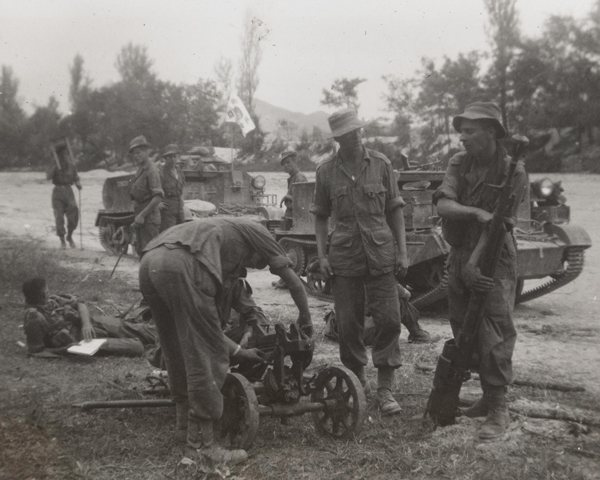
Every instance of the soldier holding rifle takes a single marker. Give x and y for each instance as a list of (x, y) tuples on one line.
[(465, 202), (146, 193), (63, 174)]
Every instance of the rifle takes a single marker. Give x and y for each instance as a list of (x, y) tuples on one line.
[(453, 364)]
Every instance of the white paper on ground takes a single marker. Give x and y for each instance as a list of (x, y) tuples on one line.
[(87, 348)]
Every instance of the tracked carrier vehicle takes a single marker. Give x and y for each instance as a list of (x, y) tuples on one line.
[(207, 177), (549, 246)]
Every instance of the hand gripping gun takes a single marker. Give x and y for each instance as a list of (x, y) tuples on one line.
[(452, 369)]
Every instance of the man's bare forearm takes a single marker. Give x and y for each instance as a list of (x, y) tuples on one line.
[(396, 218), (297, 292), (84, 314), (156, 199), (321, 232), (450, 209)]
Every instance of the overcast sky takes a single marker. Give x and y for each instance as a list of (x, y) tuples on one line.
[(308, 43)]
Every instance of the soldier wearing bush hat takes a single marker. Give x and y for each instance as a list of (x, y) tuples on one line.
[(465, 202), (173, 182), (146, 193), (358, 187)]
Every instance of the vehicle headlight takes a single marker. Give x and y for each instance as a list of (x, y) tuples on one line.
[(259, 182), (543, 188)]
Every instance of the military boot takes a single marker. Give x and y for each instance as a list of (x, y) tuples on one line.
[(182, 410), (497, 420), (479, 409), (214, 453), (63, 244), (385, 400), (421, 336), (70, 240), (415, 333)]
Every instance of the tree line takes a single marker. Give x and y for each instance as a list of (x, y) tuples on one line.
[(547, 86)]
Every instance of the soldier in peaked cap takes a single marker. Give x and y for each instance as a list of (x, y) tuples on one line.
[(465, 202), (358, 187), (173, 181), (146, 193)]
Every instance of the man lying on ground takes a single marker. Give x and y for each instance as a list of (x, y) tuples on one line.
[(54, 322)]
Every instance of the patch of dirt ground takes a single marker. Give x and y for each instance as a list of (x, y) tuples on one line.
[(41, 436)]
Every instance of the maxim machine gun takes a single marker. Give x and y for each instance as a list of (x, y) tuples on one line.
[(279, 388), (208, 178)]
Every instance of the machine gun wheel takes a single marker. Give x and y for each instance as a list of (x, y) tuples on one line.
[(345, 403), (239, 422)]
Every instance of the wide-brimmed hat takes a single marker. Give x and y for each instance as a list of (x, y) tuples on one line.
[(138, 142), (344, 121), (481, 111), (170, 149), (286, 154)]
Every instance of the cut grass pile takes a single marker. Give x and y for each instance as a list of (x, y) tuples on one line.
[(43, 437)]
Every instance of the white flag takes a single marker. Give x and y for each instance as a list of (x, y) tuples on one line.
[(236, 112)]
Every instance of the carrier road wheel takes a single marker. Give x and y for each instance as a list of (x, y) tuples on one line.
[(296, 254), (345, 403), (106, 232), (239, 422)]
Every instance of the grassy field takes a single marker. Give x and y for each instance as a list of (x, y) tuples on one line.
[(43, 437)]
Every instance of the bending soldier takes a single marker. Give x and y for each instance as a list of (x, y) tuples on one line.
[(186, 276)]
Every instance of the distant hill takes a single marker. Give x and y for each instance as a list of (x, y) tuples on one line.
[(270, 114)]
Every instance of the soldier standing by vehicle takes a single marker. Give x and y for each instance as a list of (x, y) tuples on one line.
[(63, 175), (465, 201), (358, 187), (172, 181), (146, 193), (288, 162)]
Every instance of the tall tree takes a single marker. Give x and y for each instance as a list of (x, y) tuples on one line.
[(41, 129), (12, 119), (343, 93), (80, 82), (223, 69), (250, 60), (134, 65), (504, 36)]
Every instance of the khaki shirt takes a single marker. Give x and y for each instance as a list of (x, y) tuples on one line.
[(172, 181), (146, 183), (224, 245), (465, 186), (362, 242)]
